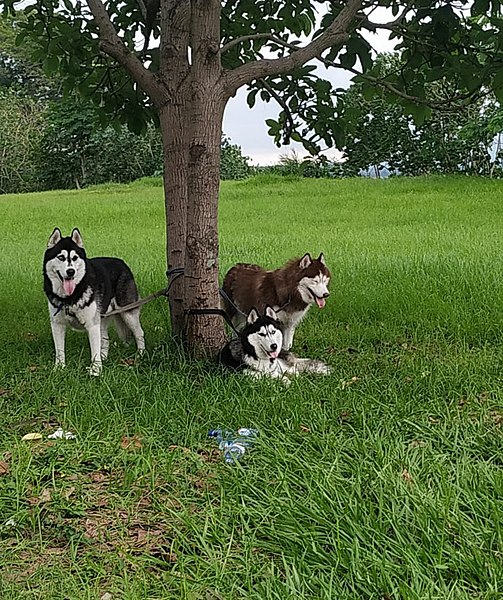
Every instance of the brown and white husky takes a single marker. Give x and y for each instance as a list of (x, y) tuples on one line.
[(290, 290)]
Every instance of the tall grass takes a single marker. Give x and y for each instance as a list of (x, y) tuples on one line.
[(383, 480)]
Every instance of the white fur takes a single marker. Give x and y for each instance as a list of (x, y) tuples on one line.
[(267, 342)]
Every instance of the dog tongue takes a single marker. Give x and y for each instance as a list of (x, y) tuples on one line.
[(69, 286), (320, 302), (273, 354)]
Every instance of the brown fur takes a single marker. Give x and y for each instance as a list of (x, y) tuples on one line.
[(250, 286)]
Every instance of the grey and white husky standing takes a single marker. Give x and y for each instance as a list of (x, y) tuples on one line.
[(257, 351), (290, 290), (81, 291)]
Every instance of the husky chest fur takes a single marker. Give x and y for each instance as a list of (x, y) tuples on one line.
[(80, 292), (290, 290)]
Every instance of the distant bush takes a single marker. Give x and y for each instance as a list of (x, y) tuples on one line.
[(292, 165), (233, 165)]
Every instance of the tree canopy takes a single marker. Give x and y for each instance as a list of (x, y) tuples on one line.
[(459, 40)]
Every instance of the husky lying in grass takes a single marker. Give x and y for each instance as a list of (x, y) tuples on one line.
[(80, 292), (257, 351), (290, 290)]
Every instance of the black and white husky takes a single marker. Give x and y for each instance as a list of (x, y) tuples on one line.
[(291, 290), (81, 291), (257, 351)]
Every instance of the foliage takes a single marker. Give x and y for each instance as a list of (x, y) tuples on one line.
[(18, 71), (381, 135), (459, 42), (233, 165), (20, 127), (75, 151)]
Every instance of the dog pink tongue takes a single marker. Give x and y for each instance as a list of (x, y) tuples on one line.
[(320, 302), (273, 354), (69, 286)]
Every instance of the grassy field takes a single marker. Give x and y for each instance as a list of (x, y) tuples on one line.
[(382, 481)]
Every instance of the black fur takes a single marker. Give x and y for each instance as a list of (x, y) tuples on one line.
[(106, 277), (233, 352)]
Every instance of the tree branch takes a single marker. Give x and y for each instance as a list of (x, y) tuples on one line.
[(111, 44), (246, 38), (336, 33)]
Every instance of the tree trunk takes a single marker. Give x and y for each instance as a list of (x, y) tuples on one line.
[(205, 334), (175, 142)]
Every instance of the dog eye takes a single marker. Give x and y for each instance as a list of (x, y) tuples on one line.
[(74, 258), (261, 334), (61, 257)]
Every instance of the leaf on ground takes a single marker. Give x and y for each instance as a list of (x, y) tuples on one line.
[(4, 468), (304, 429), (407, 476), (349, 382), (31, 437), (33, 368), (106, 596), (131, 443), (128, 362), (4, 392)]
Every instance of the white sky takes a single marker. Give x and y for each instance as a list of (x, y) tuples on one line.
[(246, 127)]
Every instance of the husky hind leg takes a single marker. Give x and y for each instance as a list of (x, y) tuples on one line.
[(131, 321), (297, 365)]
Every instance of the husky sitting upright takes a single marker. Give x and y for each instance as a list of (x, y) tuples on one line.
[(291, 290), (257, 351), (81, 291)]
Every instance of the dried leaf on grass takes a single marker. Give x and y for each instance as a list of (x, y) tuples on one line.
[(407, 476), (4, 468), (349, 382), (31, 437), (131, 443)]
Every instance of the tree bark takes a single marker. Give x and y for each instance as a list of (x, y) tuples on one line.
[(175, 148), (205, 334)]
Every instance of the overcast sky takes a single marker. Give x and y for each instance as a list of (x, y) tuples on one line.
[(246, 127)]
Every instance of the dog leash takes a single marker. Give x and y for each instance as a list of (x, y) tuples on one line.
[(175, 272)]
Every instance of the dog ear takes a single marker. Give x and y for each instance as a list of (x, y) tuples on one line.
[(305, 261), (252, 316), (321, 258), (55, 237), (271, 313), (77, 238)]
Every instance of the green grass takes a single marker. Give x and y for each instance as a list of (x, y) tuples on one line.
[(383, 481)]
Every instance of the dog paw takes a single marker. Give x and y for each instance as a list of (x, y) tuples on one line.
[(95, 369), (59, 365)]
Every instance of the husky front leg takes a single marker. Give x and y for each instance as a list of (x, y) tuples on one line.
[(267, 374), (58, 327), (94, 333), (288, 337)]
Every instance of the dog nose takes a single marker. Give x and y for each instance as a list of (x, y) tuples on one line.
[(274, 347), (326, 294), (70, 272)]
